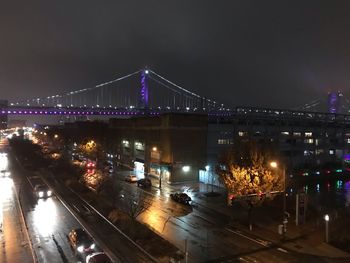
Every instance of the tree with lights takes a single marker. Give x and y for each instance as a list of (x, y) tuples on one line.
[(246, 173)]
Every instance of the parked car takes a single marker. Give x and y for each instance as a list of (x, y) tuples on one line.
[(80, 241), (181, 198), (131, 178), (98, 257), (144, 182)]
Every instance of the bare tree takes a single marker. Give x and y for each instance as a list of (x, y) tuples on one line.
[(134, 204)]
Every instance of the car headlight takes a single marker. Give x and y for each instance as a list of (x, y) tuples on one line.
[(49, 193), (93, 246), (80, 249), (41, 194)]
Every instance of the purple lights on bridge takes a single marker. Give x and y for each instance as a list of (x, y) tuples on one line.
[(144, 89), (106, 112)]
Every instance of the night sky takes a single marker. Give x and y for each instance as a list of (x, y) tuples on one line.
[(259, 53)]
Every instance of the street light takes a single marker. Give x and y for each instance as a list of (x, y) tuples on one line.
[(274, 165), (326, 218), (155, 149)]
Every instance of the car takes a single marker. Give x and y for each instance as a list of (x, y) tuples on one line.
[(131, 178), (181, 198), (81, 242), (98, 257), (4, 173), (82, 210), (42, 191), (145, 182)]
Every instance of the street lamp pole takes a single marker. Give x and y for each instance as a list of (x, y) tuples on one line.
[(285, 214), (284, 190), (326, 218), (155, 149)]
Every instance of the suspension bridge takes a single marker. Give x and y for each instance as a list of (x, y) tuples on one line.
[(145, 92)]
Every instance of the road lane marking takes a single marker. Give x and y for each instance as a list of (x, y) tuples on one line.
[(282, 250), (260, 242)]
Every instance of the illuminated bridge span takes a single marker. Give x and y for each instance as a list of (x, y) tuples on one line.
[(124, 96), (15, 110)]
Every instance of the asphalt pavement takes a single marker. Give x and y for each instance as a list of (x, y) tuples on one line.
[(209, 237), (15, 243)]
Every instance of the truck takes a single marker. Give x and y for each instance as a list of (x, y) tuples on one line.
[(40, 188)]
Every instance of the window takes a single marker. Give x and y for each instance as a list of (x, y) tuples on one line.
[(139, 146), (225, 141), (331, 152), (347, 140), (242, 133), (317, 142), (308, 134), (297, 134), (284, 133), (125, 143), (309, 141)]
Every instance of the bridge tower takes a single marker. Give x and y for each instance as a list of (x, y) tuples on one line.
[(143, 102), (334, 102)]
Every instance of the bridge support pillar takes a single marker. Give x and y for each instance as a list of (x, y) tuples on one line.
[(144, 89)]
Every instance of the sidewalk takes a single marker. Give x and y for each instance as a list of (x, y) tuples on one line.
[(307, 238), (15, 246)]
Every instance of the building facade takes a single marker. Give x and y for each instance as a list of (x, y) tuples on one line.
[(303, 139), (172, 146)]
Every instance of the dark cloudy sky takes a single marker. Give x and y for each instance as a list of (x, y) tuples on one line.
[(264, 53)]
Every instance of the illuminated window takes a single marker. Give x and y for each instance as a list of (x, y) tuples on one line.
[(308, 134), (284, 133), (331, 152), (125, 143), (225, 141), (348, 140), (309, 141), (139, 146), (297, 134), (242, 133)]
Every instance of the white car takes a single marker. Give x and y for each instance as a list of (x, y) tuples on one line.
[(131, 178)]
